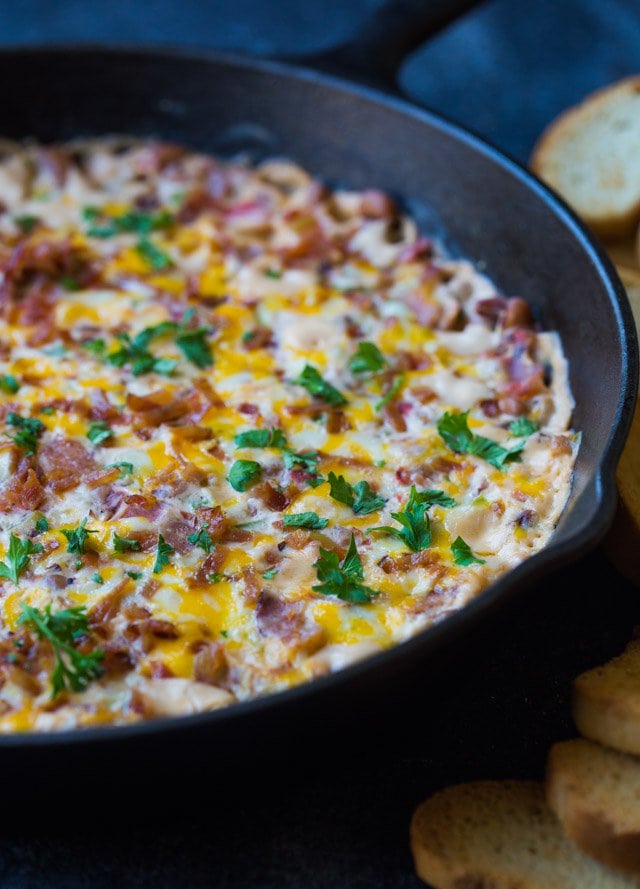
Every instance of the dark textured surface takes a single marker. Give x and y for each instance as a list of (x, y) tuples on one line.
[(341, 820)]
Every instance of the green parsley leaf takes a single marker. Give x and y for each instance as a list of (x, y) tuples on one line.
[(134, 575), (153, 255), (307, 461), (343, 580), (268, 575), (125, 544), (140, 360), (26, 223), (99, 431), (195, 348), (131, 221), (523, 426), (69, 283), (97, 347), (462, 554), (124, 467), (312, 381), (42, 524), (142, 339), (17, 558), (261, 438), (29, 430), (360, 497), (9, 384), (455, 433), (77, 537), (243, 474), (163, 554), (273, 273), (304, 520), (248, 335), (216, 577), (367, 358), (202, 538), (391, 394), (73, 670), (416, 526), (97, 578)]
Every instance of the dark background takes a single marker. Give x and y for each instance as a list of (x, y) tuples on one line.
[(339, 817)]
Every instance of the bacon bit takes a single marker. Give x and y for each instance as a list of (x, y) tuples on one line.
[(149, 588), (252, 584), (421, 249), (101, 408), (518, 313), (148, 540), (162, 629), (394, 415), (288, 622), (212, 564), (22, 491), (118, 659), (210, 663), (407, 561), (175, 528), (261, 338), (102, 477), (513, 406), (423, 306), (161, 407), (140, 505), (251, 410), (353, 329), (158, 670), (203, 385), (492, 308), (109, 605), (489, 407), (376, 204), (526, 519), (64, 405), (191, 433), (337, 421), (32, 270), (423, 394), (299, 538), (274, 500), (64, 463), (55, 162), (237, 535), (433, 470), (560, 446), (215, 520)]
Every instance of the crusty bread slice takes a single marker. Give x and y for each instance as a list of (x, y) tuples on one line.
[(595, 793), (501, 835), (606, 701), (590, 154)]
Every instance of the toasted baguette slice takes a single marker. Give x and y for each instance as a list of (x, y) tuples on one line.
[(595, 793), (501, 835), (590, 155), (606, 701)]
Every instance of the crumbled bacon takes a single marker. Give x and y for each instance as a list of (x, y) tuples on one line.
[(212, 564), (64, 462), (288, 622), (210, 663), (23, 490), (273, 499)]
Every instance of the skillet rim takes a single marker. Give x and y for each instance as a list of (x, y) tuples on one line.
[(601, 488)]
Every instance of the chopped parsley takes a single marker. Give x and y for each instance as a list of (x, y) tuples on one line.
[(307, 461), (202, 538), (163, 554), (137, 356), (97, 578), (124, 467), (391, 394), (17, 557), (125, 544), (523, 427), (96, 346), (153, 255), (454, 431), (194, 347), (462, 554), (42, 524), (416, 526), (360, 497), (134, 575), (343, 581), (243, 474), (304, 520), (271, 573), (26, 223), (28, 429), (99, 431), (312, 381), (261, 438), (77, 537), (137, 221), (367, 359), (9, 384), (63, 629), (273, 273)]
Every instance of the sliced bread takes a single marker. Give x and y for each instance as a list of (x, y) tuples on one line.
[(590, 155), (606, 701), (595, 793), (501, 835)]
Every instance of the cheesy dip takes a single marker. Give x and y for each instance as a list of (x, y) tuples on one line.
[(251, 430)]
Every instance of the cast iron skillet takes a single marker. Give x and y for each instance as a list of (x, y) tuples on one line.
[(491, 210)]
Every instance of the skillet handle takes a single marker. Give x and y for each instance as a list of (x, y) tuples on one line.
[(375, 54)]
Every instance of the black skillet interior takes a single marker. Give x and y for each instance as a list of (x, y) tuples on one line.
[(491, 210)]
